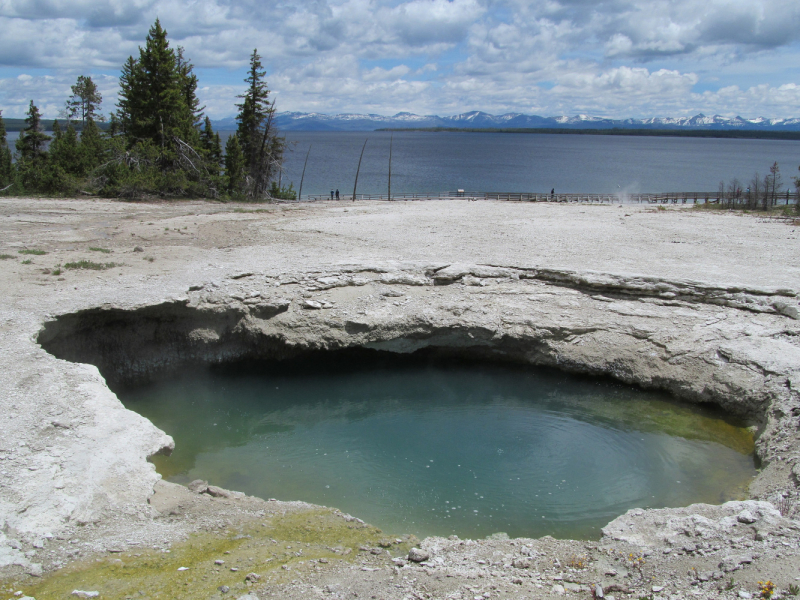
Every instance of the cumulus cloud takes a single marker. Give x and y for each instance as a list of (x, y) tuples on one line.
[(760, 100), (49, 93), (619, 58)]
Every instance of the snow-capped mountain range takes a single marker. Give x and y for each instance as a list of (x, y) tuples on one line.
[(297, 121)]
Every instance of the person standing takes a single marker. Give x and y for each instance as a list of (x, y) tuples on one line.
[(337, 193), (331, 194)]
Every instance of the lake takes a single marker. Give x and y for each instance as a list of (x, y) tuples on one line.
[(434, 162), (438, 162)]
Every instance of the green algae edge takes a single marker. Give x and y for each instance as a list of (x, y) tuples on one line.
[(275, 547), (667, 416)]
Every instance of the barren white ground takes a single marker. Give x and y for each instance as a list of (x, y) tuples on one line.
[(700, 303)]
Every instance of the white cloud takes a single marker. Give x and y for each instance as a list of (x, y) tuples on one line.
[(626, 81), (620, 58), (49, 93), (378, 74), (760, 100)]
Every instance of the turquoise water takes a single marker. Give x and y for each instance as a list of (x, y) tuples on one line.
[(445, 448)]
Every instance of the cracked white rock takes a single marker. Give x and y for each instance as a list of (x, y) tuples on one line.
[(627, 311)]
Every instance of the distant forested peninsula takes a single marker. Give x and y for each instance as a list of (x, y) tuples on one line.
[(15, 125)]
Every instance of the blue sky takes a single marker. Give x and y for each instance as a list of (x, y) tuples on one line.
[(615, 58)]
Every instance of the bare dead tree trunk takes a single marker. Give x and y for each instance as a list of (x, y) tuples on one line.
[(303, 176), (391, 140), (355, 185), (263, 170)]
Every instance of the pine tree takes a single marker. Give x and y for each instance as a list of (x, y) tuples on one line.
[(31, 152), (234, 167), (160, 150), (32, 141), (188, 84), (57, 174), (129, 105), (85, 100), (6, 168), (91, 149), (114, 126), (64, 150), (163, 102), (253, 111), (157, 101), (212, 147), (260, 144)]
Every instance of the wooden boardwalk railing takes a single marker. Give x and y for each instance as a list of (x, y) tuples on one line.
[(623, 198)]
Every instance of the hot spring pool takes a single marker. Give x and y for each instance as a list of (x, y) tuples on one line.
[(441, 448)]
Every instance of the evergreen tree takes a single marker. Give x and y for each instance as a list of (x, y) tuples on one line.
[(211, 145), (32, 152), (157, 102), (32, 141), (91, 149), (85, 100), (6, 168), (188, 83), (129, 105), (64, 150), (260, 144), (234, 167), (56, 175), (114, 126), (253, 111)]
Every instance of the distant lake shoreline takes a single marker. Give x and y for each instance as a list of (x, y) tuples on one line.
[(745, 134), (434, 162), (442, 161)]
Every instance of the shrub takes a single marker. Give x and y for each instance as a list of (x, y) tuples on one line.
[(87, 264)]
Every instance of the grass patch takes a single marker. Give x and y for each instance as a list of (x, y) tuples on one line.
[(276, 547), (103, 250), (27, 261), (253, 210), (6, 256), (92, 266), (33, 251), (783, 210), (56, 271)]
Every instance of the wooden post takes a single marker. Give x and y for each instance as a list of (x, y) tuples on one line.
[(303, 176), (355, 185), (391, 139)]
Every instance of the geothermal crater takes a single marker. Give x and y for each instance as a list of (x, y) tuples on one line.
[(444, 440), (276, 285)]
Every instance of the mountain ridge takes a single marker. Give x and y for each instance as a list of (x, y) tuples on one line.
[(299, 121)]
